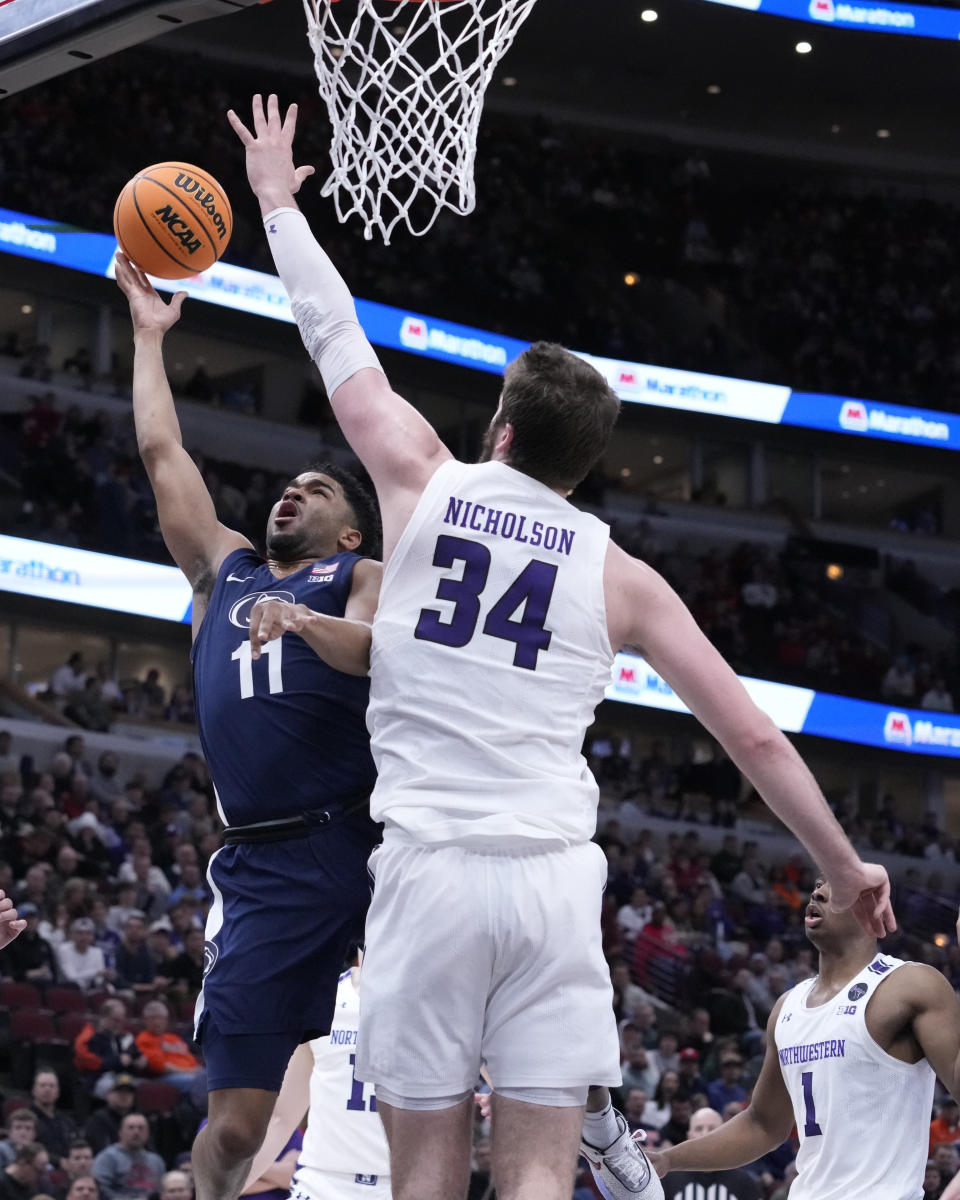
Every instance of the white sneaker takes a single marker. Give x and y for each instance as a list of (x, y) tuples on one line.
[(622, 1171)]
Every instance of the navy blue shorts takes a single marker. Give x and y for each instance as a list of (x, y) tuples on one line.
[(282, 918)]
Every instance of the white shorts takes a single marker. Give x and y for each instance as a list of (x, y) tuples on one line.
[(311, 1184), (485, 956)]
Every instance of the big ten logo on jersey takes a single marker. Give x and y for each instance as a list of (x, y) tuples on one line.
[(322, 572), (846, 1010)]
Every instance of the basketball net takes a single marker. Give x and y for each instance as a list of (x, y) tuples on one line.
[(403, 81)]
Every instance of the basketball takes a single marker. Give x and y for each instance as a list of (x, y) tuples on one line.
[(173, 220)]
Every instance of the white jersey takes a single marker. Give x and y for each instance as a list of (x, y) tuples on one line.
[(863, 1116), (490, 653), (344, 1131)]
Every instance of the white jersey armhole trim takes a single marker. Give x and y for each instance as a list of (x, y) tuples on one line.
[(416, 518)]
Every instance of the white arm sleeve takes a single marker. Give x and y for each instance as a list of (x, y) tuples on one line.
[(321, 302)]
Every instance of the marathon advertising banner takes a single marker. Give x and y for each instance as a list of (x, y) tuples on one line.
[(431, 337), (97, 580), (916, 19), (802, 710)]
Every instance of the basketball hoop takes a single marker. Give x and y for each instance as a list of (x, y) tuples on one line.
[(403, 81)]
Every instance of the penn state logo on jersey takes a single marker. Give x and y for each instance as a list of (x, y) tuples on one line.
[(241, 612), (211, 952)]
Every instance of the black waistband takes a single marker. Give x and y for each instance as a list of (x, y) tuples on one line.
[(295, 827)]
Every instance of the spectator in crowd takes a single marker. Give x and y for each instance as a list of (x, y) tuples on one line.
[(728, 1088), (737, 1184), (635, 1101), (932, 1183), (55, 1129), (9, 763), (30, 958), (127, 1170), (481, 1185), (136, 970), (657, 1112), (79, 1161), (85, 1187), (186, 970), (104, 1052), (103, 1126), (947, 1159), (674, 1130), (21, 1131), (176, 1185), (936, 698), (946, 1127), (80, 961), (691, 1081), (69, 678), (899, 683), (167, 1054), (27, 1175), (105, 786), (154, 697), (633, 916)]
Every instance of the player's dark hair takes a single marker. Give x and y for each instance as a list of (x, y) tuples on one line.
[(562, 411), (366, 512)]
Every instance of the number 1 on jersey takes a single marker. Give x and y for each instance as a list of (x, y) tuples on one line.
[(274, 655), (811, 1128)]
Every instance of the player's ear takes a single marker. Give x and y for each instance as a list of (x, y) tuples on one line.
[(349, 538)]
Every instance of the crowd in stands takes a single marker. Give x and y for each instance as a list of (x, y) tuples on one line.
[(108, 868), (770, 614), (768, 271)]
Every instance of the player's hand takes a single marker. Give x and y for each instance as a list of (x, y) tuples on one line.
[(148, 309), (273, 618), (482, 1101), (866, 890), (660, 1161), (10, 923), (269, 148)]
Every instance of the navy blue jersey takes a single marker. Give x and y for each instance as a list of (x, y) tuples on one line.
[(286, 734)]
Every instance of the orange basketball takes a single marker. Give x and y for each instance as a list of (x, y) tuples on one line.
[(173, 220)]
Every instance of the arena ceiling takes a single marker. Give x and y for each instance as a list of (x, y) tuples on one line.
[(699, 73)]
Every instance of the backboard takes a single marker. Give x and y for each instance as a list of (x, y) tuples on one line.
[(43, 38)]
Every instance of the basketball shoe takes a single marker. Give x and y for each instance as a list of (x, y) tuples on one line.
[(622, 1171)]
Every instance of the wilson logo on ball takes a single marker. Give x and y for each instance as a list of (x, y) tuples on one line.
[(205, 199)]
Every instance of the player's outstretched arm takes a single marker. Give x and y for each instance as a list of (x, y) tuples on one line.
[(342, 642), (195, 538), (292, 1102), (934, 1013), (398, 447), (760, 1128), (644, 612)]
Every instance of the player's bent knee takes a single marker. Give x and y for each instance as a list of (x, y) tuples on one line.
[(234, 1137), (572, 1097), (419, 1103)]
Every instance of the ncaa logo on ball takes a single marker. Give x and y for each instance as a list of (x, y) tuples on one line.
[(857, 992), (211, 952), (240, 613)]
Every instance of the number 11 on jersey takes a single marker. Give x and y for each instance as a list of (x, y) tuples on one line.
[(273, 652)]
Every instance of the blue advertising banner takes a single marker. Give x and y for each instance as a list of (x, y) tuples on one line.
[(916, 19), (431, 337)]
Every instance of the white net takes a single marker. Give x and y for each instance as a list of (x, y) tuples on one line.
[(404, 82)]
